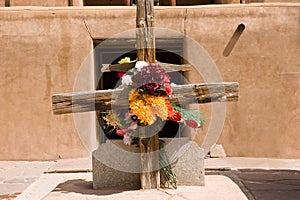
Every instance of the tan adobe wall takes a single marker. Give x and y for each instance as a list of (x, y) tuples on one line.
[(53, 3), (266, 65), (42, 50), (2, 3), (77, 2), (39, 3)]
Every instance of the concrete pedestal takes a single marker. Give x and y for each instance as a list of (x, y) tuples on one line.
[(117, 165)]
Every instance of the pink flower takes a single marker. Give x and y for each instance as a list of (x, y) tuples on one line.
[(192, 123), (122, 131), (128, 116), (133, 126)]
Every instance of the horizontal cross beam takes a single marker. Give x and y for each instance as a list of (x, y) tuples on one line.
[(118, 98), (127, 66)]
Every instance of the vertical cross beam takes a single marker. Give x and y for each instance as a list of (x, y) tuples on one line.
[(127, 2), (145, 33), (149, 145), (172, 2)]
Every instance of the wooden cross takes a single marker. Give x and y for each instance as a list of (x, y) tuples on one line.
[(102, 99)]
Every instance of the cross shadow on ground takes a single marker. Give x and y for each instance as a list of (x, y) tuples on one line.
[(86, 187)]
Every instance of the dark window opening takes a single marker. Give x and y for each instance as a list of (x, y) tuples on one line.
[(186, 3), (7, 3), (167, 51), (105, 3)]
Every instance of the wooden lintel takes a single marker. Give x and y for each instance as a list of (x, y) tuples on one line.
[(127, 66), (113, 99)]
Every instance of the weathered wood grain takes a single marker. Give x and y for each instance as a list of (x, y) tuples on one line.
[(118, 98), (127, 66), (149, 147)]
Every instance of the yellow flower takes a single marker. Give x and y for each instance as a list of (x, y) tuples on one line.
[(146, 107), (124, 60), (112, 119)]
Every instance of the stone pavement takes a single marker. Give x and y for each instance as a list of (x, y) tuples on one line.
[(16, 176), (260, 178), (71, 179), (79, 186), (265, 184)]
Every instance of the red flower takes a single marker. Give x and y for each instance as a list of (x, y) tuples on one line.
[(175, 116), (168, 89), (150, 88), (151, 78), (192, 123), (121, 74)]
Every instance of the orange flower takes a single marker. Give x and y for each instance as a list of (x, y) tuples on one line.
[(147, 107), (173, 115)]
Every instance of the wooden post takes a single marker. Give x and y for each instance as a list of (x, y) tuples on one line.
[(127, 2), (149, 149), (149, 146), (145, 33), (172, 2)]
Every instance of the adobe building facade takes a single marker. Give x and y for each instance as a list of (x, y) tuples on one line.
[(43, 48)]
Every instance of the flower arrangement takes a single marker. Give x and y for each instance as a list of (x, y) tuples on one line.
[(149, 89)]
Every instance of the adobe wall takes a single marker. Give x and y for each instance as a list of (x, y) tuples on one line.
[(39, 3), (265, 61), (42, 50), (54, 3)]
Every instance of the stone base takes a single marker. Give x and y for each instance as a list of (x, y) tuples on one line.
[(117, 165)]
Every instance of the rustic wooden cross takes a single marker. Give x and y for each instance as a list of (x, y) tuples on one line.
[(103, 99)]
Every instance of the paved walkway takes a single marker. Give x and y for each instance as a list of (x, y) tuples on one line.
[(265, 184), (79, 186), (16, 176), (74, 177)]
